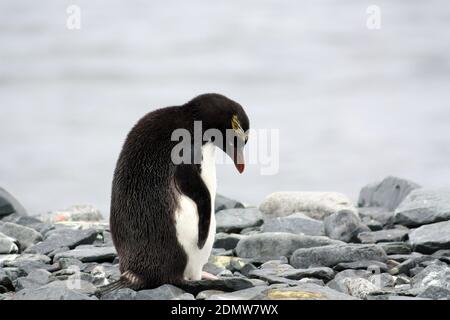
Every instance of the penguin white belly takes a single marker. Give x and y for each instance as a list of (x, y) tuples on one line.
[(187, 220)]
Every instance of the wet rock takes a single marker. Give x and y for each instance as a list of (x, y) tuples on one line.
[(273, 244), (223, 202), (388, 235), (430, 238), (64, 237), (316, 205), (224, 284), (395, 248), (234, 220), (361, 265), (296, 223), (164, 292), (50, 292), (35, 279), (8, 245), (303, 291), (89, 254), (424, 206), (344, 225), (382, 215), (332, 255), (9, 205), (73, 213), (227, 241), (25, 236), (388, 193)]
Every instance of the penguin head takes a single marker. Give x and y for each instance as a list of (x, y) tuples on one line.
[(221, 114)]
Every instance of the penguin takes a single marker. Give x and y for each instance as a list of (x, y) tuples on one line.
[(162, 219)]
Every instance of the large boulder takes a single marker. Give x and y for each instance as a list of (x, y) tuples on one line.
[(328, 256), (316, 205), (25, 236), (276, 244), (297, 223), (223, 202), (234, 220), (344, 225), (388, 193), (424, 206), (9, 205), (430, 238)]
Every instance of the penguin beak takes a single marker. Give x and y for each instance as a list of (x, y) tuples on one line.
[(238, 158)]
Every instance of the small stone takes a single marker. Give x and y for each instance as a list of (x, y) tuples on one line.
[(63, 238), (383, 236), (344, 225), (8, 245), (297, 223), (403, 257), (30, 222), (372, 224), (409, 264), (225, 284), (6, 281), (89, 254), (430, 238), (332, 255), (164, 292), (35, 279), (382, 280), (359, 287), (273, 244), (384, 216), (437, 275), (25, 236), (392, 248), (121, 294), (207, 294), (294, 274), (316, 205), (318, 282), (9, 205), (361, 265), (245, 294), (26, 263), (75, 283), (402, 279), (388, 193), (304, 291), (50, 292), (234, 220), (424, 206), (435, 293), (223, 202), (227, 241)]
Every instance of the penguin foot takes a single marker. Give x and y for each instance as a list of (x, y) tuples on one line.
[(209, 276)]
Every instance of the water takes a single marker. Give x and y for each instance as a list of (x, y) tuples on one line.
[(353, 105)]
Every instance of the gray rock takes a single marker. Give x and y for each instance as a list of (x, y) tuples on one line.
[(359, 287), (316, 205), (388, 193), (430, 238), (234, 220), (293, 274), (50, 292), (407, 265), (89, 254), (223, 202), (355, 283), (121, 294), (245, 294), (333, 254), (64, 237), (273, 244), (424, 206), (224, 284), (35, 279), (30, 222), (76, 284), (164, 292), (384, 216), (392, 248), (372, 224), (296, 223), (435, 293), (303, 291), (436, 276), (73, 213), (208, 293), (361, 265), (6, 281), (25, 236), (8, 245), (227, 241), (388, 235), (403, 257), (343, 225), (9, 205)]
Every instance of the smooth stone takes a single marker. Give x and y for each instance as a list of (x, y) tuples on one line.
[(382, 280), (89, 254), (388, 193), (224, 284), (372, 224), (392, 248), (273, 244), (25, 236), (344, 225), (274, 279), (9, 205), (388, 235), (304, 291), (207, 294), (424, 206), (403, 257), (164, 292), (234, 220), (74, 213), (8, 245), (222, 203), (316, 205), (250, 231), (332, 255), (30, 222), (35, 279), (407, 265), (361, 265), (50, 292), (430, 238), (227, 241), (384, 216), (63, 238), (297, 223), (228, 262), (245, 294)]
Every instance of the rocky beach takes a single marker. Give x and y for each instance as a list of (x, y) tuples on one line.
[(393, 244)]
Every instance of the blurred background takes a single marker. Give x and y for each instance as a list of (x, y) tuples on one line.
[(352, 104)]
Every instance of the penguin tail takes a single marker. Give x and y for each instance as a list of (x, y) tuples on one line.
[(113, 286)]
